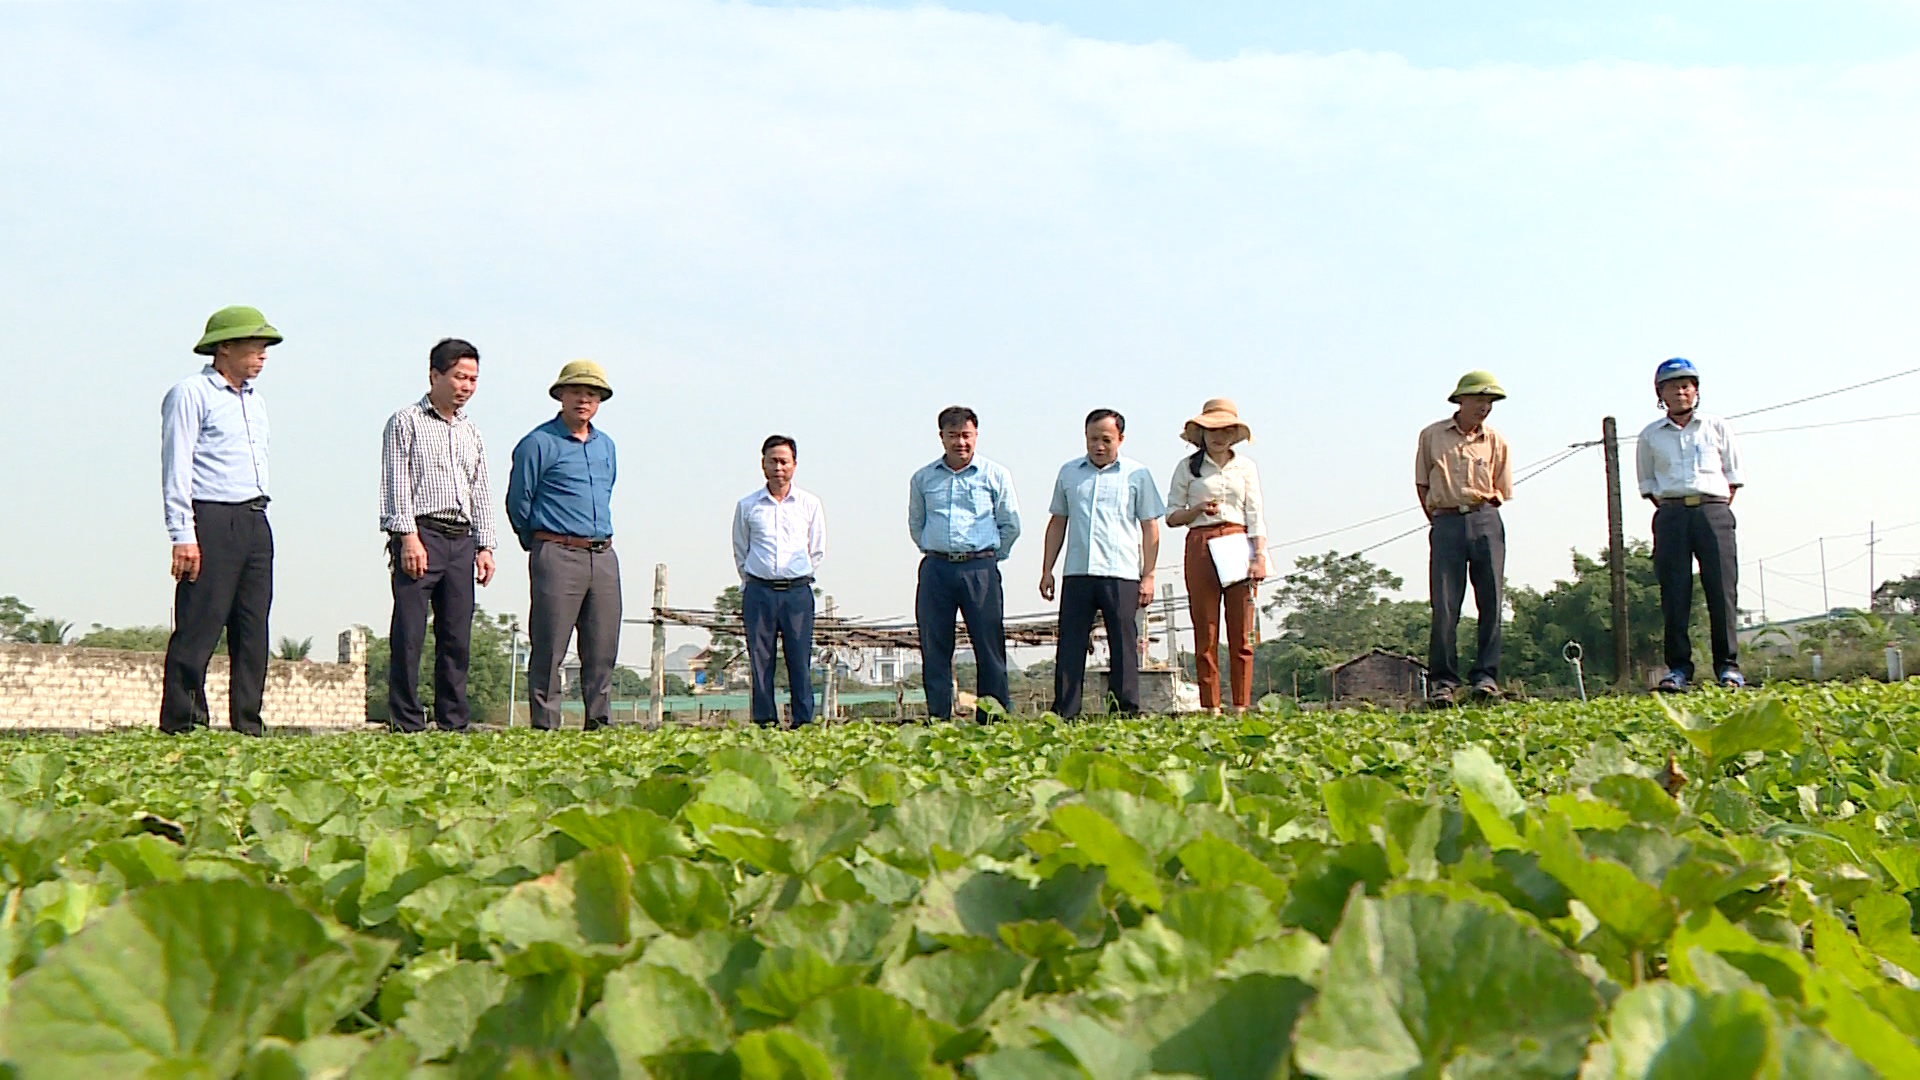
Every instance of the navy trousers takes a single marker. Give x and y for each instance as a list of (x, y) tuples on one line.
[(972, 590), (1117, 602), (1682, 534), (782, 617), (234, 592), (447, 589)]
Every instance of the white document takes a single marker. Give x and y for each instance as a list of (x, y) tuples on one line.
[(1232, 557)]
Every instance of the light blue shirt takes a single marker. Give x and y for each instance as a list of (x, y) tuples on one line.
[(960, 512), (1104, 509), (213, 447), (779, 539)]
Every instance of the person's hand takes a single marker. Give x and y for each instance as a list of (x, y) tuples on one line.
[(483, 567), (1212, 508), (1046, 584), (1257, 573), (413, 555), (1146, 589), (186, 562)]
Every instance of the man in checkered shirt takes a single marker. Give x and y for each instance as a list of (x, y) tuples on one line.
[(434, 506)]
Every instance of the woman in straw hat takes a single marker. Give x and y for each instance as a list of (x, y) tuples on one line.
[(1216, 493)]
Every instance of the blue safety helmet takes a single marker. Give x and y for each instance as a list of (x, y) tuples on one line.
[(1676, 368)]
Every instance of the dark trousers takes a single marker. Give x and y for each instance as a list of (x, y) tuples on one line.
[(446, 588), (1682, 534), (233, 593), (783, 617), (1117, 602), (574, 590), (1465, 547), (972, 590)]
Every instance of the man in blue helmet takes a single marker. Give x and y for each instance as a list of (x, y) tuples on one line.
[(1689, 467)]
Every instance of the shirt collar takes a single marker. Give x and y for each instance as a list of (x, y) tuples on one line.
[(1667, 421), (559, 427), (1454, 423), (793, 495), (220, 381), (972, 466), (426, 406), (1117, 463)]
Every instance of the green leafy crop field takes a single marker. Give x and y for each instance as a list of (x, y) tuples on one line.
[(1507, 892)]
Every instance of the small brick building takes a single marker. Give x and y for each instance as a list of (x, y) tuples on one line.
[(1378, 676)]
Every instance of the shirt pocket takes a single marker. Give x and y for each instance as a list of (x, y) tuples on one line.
[(1706, 457)]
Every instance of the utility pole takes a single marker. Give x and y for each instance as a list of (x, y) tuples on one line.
[(513, 667), (1616, 551), (1826, 605), (1871, 584), (830, 689), (657, 696), (1763, 593)]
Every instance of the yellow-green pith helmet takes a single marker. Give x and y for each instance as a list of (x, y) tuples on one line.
[(233, 324), (1477, 382), (582, 373)]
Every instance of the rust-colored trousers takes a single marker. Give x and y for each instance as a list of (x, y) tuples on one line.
[(1204, 597)]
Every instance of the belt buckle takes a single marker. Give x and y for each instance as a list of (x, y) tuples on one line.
[(959, 556), (1690, 500), (1466, 508)]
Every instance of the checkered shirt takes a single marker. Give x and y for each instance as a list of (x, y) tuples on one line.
[(434, 467)]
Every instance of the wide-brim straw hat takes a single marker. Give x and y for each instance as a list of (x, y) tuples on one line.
[(581, 373), (1216, 414), (234, 324)]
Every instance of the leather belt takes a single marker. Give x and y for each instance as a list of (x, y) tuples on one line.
[(1694, 500), (580, 543), (1468, 509), (781, 584), (453, 530), (963, 556)]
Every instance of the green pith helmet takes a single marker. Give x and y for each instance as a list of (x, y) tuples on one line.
[(234, 323), (581, 373), (1477, 382)]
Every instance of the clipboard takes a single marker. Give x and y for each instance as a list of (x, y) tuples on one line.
[(1232, 557)]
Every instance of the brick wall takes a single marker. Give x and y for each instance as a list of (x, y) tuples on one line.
[(62, 688)]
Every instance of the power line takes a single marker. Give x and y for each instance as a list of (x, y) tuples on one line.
[(1825, 394)]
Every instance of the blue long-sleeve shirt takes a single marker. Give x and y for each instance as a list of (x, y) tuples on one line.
[(213, 447), (561, 484), (958, 512)]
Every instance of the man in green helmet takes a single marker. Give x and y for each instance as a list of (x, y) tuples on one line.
[(213, 483), (1462, 474)]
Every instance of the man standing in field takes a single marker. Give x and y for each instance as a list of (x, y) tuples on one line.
[(560, 504), (213, 483), (1461, 473), (962, 514), (1106, 513), (779, 542), (434, 508), (1689, 469)]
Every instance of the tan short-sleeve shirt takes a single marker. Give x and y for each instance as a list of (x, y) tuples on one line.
[(1461, 470)]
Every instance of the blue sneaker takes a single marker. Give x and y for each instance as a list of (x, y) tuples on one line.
[(1732, 679), (1671, 683)]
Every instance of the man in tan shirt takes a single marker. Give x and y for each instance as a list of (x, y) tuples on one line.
[(1462, 474)]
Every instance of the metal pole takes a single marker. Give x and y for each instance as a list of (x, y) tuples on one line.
[(1616, 552), (1825, 604), (830, 689), (1763, 593), (513, 667), (1870, 575), (657, 695)]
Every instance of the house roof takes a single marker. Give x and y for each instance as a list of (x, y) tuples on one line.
[(1343, 665)]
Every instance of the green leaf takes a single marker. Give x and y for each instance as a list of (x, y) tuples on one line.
[(646, 1010), (1089, 770), (977, 903), (639, 832), (1885, 924), (956, 986), (1761, 724), (1665, 1032), (1103, 1053), (786, 979), (1224, 921), (1354, 804), (1854, 1024), (1211, 861), (141, 860), (1226, 1030), (537, 1014), (1644, 800), (842, 933), (180, 975), (331, 987), (1326, 879), (585, 905), (869, 1035), (1489, 797), (1431, 983), (1025, 1063), (442, 1015), (1621, 901), (1152, 959), (682, 897), (938, 828), (780, 1054), (825, 828), (1805, 1054)]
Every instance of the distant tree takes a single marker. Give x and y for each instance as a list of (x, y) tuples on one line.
[(129, 638), (489, 666), (48, 631), (1339, 604), (291, 649), (1900, 594), (12, 614), (1581, 610), (628, 685), (725, 652)]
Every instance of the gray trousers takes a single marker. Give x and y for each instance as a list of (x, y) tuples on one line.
[(573, 590), (1465, 547)]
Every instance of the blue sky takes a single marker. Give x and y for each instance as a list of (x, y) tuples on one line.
[(831, 221)]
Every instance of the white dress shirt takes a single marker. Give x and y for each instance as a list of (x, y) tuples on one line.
[(779, 539), (1699, 459), (1237, 487)]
